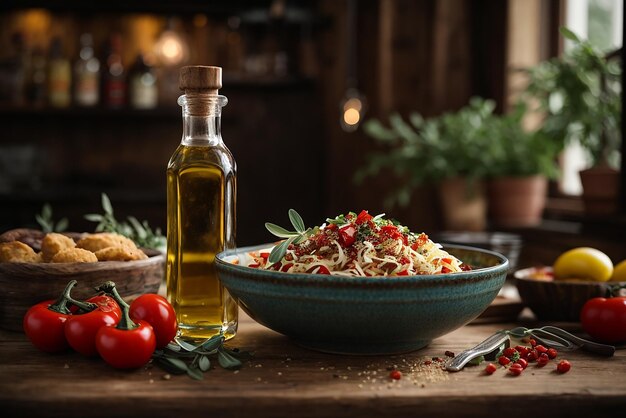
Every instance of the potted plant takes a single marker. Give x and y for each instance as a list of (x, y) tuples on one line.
[(579, 96), (521, 163), (450, 150)]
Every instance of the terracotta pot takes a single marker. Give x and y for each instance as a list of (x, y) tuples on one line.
[(600, 190), (517, 201), (464, 204)]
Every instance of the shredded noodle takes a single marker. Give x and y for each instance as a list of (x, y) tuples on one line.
[(351, 245)]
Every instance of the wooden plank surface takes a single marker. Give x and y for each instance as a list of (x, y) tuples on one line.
[(286, 380)]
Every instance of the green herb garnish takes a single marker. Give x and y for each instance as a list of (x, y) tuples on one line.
[(44, 219), (180, 357), (140, 232), (296, 237)]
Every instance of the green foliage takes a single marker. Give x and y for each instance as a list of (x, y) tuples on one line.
[(517, 153), (140, 232), (580, 97), (47, 224), (472, 143)]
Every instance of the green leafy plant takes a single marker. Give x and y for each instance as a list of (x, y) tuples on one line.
[(430, 150), (516, 152), (579, 96), (140, 232), (300, 234), (180, 357), (47, 224)]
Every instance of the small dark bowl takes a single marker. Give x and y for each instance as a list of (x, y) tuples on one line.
[(556, 300)]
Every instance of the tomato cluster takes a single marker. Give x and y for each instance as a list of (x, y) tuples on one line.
[(124, 335)]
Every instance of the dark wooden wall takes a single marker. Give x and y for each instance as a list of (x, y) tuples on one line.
[(428, 56)]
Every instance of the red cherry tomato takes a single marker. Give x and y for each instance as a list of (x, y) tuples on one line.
[(126, 348), (44, 326), (347, 235), (158, 312), (363, 217), (81, 330), (605, 319), (44, 323)]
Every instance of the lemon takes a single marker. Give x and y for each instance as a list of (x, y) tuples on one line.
[(619, 272), (583, 263)]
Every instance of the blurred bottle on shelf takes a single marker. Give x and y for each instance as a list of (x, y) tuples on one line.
[(144, 92), (114, 85), (87, 74), (59, 75), (13, 68), (36, 78)]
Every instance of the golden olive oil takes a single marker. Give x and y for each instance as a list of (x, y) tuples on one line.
[(201, 190)]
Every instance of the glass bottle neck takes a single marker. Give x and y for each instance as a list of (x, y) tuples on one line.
[(202, 119)]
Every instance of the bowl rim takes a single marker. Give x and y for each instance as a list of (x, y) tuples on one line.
[(502, 267), (524, 275)]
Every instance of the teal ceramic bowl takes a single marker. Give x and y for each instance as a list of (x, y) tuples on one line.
[(370, 315)]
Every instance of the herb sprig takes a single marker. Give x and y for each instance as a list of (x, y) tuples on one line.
[(47, 224), (180, 357), (300, 234), (140, 232)]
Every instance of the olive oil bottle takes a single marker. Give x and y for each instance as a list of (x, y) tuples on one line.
[(201, 198)]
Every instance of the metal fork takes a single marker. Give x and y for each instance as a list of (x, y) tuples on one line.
[(560, 339)]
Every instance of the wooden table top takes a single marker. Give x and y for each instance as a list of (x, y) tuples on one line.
[(285, 380)]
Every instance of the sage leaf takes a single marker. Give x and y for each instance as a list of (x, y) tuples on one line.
[(62, 225), (212, 343), (278, 252), (204, 363), (296, 221), (279, 231), (227, 361), (166, 365), (241, 355), (568, 34), (106, 204), (173, 347), (195, 373), (185, 345), (93, 217), (176, 363)]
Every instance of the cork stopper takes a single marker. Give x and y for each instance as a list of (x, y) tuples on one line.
[(201, 79), (201, 84)]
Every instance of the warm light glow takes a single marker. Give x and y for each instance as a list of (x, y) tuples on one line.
[(171, 48), (351, 116)]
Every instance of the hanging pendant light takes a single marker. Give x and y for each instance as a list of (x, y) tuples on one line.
[(353, 104)]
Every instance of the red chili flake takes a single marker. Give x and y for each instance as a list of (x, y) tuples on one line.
[(542, 360), (522, 363), (541, 349), (564, 366), (516, 369), (490, 369), (427, 363), (449, 353), (504, 360), (552, 353), (522, 350), (509, 351), (438, 359), (396, 375)]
